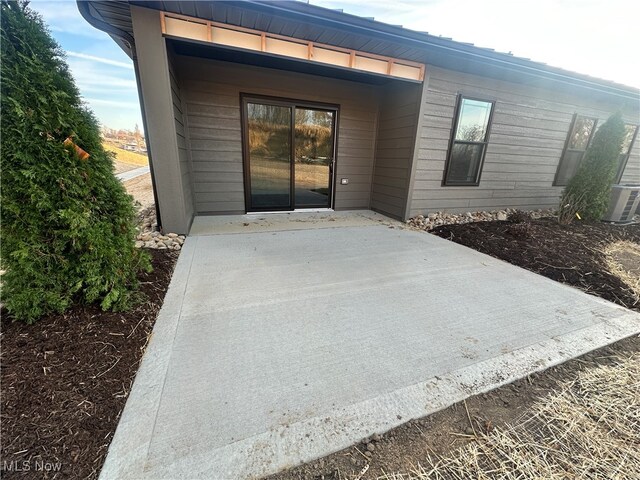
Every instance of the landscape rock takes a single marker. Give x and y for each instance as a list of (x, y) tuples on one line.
[(149, 236), (436, 219)]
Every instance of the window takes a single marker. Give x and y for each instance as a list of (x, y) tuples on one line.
[(625, 150), (578, 140), (469, 142)]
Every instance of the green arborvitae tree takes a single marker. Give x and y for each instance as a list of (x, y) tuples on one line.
[(68, 226), (588, 192)]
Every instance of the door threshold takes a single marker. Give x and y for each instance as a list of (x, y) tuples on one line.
[(297, 210)]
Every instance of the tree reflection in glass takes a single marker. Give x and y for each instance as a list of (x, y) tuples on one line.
[(269, 155), (469, 142)]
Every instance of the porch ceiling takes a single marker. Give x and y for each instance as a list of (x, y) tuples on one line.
[(258, 59)]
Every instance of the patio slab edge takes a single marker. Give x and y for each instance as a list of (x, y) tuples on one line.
[(130, 444), (272, 451)]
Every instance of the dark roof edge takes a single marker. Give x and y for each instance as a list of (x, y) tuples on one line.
[(121, 37), (358, 24)]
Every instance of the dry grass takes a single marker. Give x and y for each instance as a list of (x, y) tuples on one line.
[(588, 429), (125, 156), (623, 260)]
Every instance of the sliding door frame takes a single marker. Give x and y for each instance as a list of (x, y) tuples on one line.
[(245, 99)]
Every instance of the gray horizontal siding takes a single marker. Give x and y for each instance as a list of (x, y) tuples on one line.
[(631, 173), (211, 93), (527, 138)]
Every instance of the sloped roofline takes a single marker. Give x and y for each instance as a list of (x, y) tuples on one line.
[(365, 26)]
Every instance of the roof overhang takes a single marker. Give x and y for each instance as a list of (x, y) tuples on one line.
[(310, 56), (316, 24)]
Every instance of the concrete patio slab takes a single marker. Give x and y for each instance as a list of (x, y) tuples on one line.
[(276, 222), (278, 347)]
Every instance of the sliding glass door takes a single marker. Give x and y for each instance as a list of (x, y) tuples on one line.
[(289, 155), (269, 153)]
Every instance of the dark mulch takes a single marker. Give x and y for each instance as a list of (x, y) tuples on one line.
[(569, 254), (66, 378)]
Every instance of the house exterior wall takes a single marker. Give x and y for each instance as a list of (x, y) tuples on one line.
[(398, 118), (392, 139), (211, 98), (631, 172), (163, 122), (527, 138), (181, 138)]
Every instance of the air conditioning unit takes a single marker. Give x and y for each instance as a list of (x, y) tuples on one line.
[(625, 200)]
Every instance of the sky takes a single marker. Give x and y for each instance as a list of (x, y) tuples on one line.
[(595, 37)]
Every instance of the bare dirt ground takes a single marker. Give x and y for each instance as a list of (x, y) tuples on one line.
[(140, 189), (121, 167)]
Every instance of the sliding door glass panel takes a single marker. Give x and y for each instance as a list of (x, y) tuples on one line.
[(269, 155), (313, 157)]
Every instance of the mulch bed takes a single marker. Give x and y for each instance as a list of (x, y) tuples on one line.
[(571, 254), (65, 380)]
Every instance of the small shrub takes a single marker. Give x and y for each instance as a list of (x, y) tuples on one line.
[(588, 192), (67, 223)]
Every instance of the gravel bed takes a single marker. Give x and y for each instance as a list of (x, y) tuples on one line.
[(150, 237), (437, 219)]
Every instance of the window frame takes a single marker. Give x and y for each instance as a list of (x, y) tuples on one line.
[(623, 165), (452, 141), (567, 142)]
